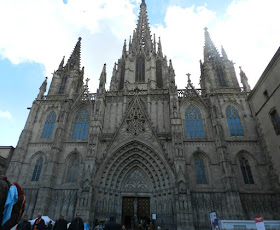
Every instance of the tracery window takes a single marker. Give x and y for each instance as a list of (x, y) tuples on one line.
[(246, 171), (200, 171), (62, 84), (140, 69), (122, 76), (159, 73), (74, 167), (37, 169), (49, 125), (81, 125), (221, 76), (194, 125), (233, 120)]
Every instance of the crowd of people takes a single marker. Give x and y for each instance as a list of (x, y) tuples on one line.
[(61, 224), (12, 201)]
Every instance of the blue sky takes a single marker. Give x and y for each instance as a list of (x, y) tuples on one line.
[(39, 33)]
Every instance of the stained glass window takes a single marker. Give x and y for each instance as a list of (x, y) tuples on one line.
[(200, 171), (62, 84), (233, 120), (49, 124), (194, 125), (221, 76), (81, 125), (74, 166), (140, 69), (246, 171), (159, 73), (122, 76), (37, 169)]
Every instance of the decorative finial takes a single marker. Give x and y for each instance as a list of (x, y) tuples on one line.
[(87, 81), (80, 39), (189, 79)]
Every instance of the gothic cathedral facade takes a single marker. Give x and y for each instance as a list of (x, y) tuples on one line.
[(144, 147)]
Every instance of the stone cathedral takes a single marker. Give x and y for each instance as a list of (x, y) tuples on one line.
[(144, 147)]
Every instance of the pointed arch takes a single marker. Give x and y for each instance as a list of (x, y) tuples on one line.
[(200, 170), (73, 162), (221, 76), (49, 125), (246, 170), (234, 123), (135, 155), (159, 79), (121, 83), (37, 169), (140, 69), (80, 129), (193, 121), (73, 169), (63, 84)]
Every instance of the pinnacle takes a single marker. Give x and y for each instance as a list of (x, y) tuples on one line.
[(75, 59)]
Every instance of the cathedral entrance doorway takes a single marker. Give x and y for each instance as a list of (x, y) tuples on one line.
[(135, 210)]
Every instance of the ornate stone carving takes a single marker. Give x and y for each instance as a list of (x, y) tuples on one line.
[(136, 181), (135, 121)]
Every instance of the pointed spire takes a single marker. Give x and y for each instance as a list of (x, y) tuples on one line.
[(124, 48), (74, 61), (102, 80), (142, 36), (43, 89), (130, 45), (244, 80), (210, 50), (159, 53), (155, 44), (61, 63), (224, 53)]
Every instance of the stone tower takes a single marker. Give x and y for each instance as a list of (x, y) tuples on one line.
[(145, 147)]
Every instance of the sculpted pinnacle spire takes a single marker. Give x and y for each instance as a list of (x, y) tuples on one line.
[(142, 35), (210, 51), (74, 62)]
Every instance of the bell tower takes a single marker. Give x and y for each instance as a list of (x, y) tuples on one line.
[(217, 71), (142, 65), (68, 79)]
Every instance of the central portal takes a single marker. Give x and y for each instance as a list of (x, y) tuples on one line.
[(135, 210)]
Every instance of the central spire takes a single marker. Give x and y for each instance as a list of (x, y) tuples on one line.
[(142, 37)]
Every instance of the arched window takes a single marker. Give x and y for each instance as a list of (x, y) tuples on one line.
[(221, 76), (49, 124), (37, 169), (234, 123), (73, 172), (81, 125), (140, 69), (122, 76), (200, 171), (62, 84), (246, 171), (194, 125), (159, 73)]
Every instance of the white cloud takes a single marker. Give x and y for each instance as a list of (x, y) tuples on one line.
[(44, 31), (5, 114)]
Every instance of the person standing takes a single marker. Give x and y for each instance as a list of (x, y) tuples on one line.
[(112, 225), (39, 223), (77, 223), (50, 225), (4, 188), (60, 224), (25, 224)]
